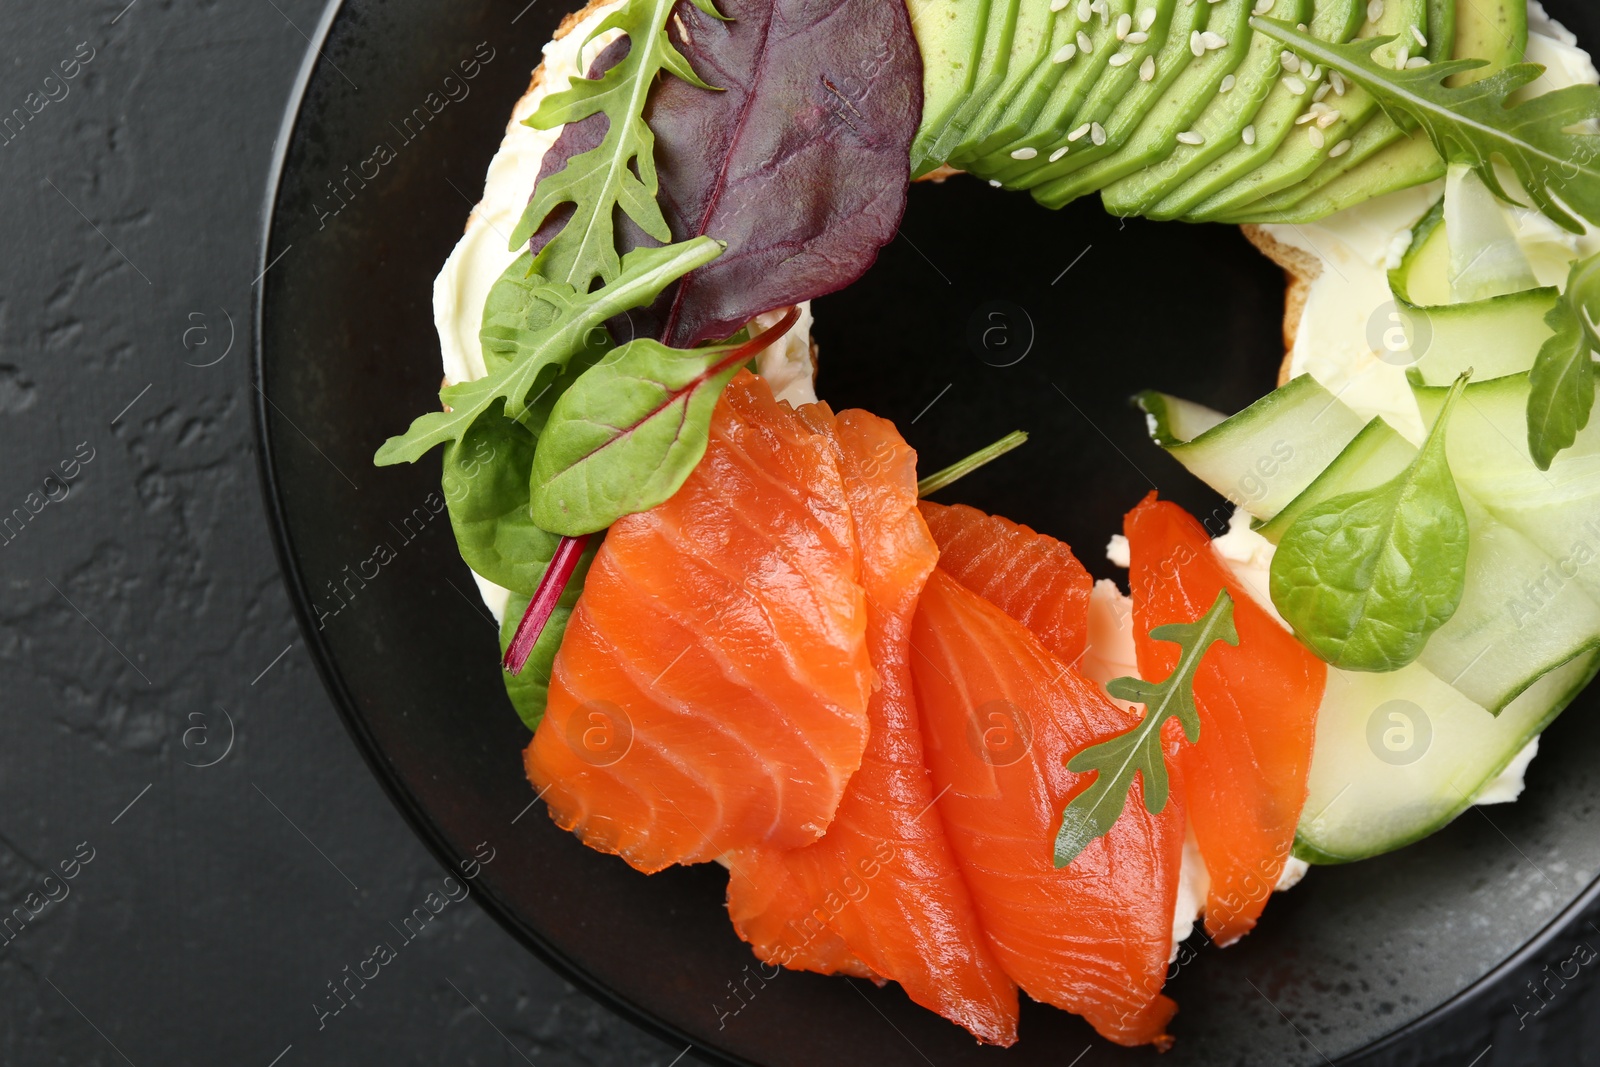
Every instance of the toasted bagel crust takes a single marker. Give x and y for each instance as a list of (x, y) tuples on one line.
[(1302, 268)]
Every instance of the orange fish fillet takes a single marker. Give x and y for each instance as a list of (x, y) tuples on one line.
[(711, 690), (1246, 777), (1001, 716), (880, 894), (1030, 576)]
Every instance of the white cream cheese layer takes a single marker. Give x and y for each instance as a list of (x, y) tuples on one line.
[(484, 251)]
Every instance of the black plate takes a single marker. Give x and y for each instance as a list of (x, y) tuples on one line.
[(347, 356)]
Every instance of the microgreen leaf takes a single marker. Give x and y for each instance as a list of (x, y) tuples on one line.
[(536, 354), (1562, 381), (1365, 578), (1094, 811), (620, 172), (963, 467), (629, 431), (1543, 139)]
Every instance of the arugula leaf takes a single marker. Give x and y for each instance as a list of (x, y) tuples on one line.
[(1094, 811), (1541, 138), (1562, 381), (629, 431), (1365, 578), (536, 353), (963, 467), (621, 171)]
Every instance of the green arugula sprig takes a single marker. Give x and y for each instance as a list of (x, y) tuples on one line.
[(621, 170), (1365, 578), (1562, 381), (1094, 811), (571, 323), (1474, 124)]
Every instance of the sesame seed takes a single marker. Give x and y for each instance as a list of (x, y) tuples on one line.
[(994, 183), (1290, 61), (1100, 8), (1324, 121), (1309, 116), (1375, 10), (1147, 69), (1065, 52), (1250, 134), (1303, 28), (1263, 7), (1337, 80), (1213, 1), (1057, 5), (1213, 40), (1078, 133), (1120, 59), (1024, 153), (1417, 61), (1097, 133), (1085, 43), (1227, 84), (1316, 73), (1191, 138), (1317, 140), (1421, 40), (1322, 90), (1058, 153), (1295, 85), (1402, 58), (1147, 18), (1124, 26), (1084, 10), (1340, 149), (1319, 108), (1196, 45), (1138, 37)]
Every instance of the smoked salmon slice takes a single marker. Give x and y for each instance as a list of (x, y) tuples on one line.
[(1030, 576), (880, 894), (711, 690), (1001, 716), (1247, 776)]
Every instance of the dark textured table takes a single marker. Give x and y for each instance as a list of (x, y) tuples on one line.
[(191, 850)]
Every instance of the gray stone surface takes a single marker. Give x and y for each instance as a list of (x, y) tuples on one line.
[(165, 739)]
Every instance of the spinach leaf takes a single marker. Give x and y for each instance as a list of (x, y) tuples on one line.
[(529, 688), (1562, 381), (1094, 811), (1365, 578), (629, 431), (1547, 140)]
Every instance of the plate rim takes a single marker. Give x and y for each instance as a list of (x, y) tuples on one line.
[(410, 808)]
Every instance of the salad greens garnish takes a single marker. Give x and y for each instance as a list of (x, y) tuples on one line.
[(564, 561), (963, 467), (557, 323), (1562, 381), (1545, 140), (620, 172), (1366, 577), (1094, 811), (628, 432)]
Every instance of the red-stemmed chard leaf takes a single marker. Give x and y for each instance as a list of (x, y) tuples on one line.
[(800, 162), (545, 598)]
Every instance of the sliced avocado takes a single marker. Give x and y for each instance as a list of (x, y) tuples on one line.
[(1033, 44), (1273, 122), (1156, 137), (993, 59), (1120, 96), (949, 36), (1496, 30), (1309, 144), (1149, 123), (1060, 71), (1079, 75), (1220, 124)]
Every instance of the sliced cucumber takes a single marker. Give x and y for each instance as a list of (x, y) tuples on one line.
[(1374, 456), (1486, 259), (1264, 456), (1492, 338), (1400, 755), (1423, 276)]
